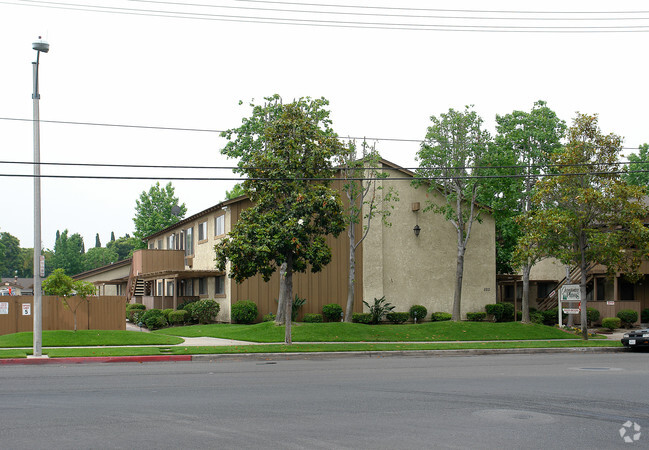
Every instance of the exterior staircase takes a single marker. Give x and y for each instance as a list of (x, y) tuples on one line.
[(552, 300)]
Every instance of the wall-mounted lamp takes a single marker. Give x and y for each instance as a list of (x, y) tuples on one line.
[(415, 208)]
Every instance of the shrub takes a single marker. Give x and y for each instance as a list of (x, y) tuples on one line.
[(205, 310), (178, 317), (361, 317), (611, 323), (135, 316), (135, 306), (244, 311), (312, 318), (508, 312), (379, 309), (189, 307), (476, 316), (440, 316), (628, 317), (183, 305), (592, 316), (151, 313), (537, 317), (155, 322), (165, 312), (550, 317), (644, 316), (397, 317), (496, 310), (268, 317), (295, 307), (332, 312), (418, 312), (519, 314)]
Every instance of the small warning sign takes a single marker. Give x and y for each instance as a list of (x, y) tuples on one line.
[(4, 307), (27, 309)]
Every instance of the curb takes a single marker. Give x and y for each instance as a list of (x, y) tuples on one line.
[(95, 359), (306, 355)]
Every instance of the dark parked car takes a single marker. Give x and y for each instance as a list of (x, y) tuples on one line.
[(636, 339)]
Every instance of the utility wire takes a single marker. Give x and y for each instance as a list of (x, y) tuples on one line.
[(414, 178), (207, 130), (332, 23), (159, 166)]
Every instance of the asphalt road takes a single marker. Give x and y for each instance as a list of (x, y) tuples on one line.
[(546, 401)]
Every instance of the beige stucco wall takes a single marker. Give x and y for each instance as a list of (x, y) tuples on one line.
[(548, 269), (412, 270)]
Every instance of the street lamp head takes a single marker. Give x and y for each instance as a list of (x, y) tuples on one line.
[(41, 45)]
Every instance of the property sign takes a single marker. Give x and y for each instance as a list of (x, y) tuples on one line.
[(570, 293), (571, 310), (610, 303), (27, 309), (4, 307)]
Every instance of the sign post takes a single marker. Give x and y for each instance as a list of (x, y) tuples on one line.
[(569, 293)]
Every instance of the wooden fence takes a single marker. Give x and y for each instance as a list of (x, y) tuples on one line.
[(97, 313)]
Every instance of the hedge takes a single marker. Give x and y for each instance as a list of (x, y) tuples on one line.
[(397, 317)]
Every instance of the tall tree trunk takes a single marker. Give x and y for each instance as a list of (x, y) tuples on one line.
[(279, 318), (288, 301), (582, 286), (459, 274), (525, 306), (351, 281)]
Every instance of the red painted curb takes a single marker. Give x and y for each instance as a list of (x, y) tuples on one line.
[(96, 359)]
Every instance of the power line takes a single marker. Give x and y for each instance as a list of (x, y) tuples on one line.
[(207, 130), (377, 14), (332, 23)]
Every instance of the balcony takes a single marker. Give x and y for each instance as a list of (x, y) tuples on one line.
[(149, 261)]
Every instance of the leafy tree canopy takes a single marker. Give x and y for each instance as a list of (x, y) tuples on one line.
[(68, 253), (286, 152), (10, 254), (237, 191), (98, 257), (154, 211), (123, 246)]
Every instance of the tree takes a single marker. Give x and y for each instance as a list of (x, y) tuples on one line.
[(639, 168), (99, 257), (124, 246), (454, 143), (97, 241), (64, 287), (154, 211), (286, 153), (10, 254), (68, 253), (586, 213), (112, 236), (524, 145), (365, 200), (237, 191)]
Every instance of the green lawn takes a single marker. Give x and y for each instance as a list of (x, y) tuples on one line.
[(353, 332), (66, 338)]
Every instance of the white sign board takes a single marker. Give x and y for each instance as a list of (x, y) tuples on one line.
[(27, 309), (570, 293), (4, 307), (571, 310), (610, 303)]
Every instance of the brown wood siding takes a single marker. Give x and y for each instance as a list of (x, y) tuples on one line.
[(147, 261), (319, 289), (99, 313)]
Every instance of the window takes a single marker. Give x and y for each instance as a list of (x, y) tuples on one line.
[(543, 289), (219, 225), (202, 231), (219, 285), (188, 287), (151, 244), (171, 242), (159, 244), (159, 288), (189, 241), (170, 288), (202, 286)]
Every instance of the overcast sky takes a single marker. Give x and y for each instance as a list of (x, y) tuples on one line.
[(190, 71)]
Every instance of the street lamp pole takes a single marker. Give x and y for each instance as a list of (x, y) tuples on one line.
[(39, 46)]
